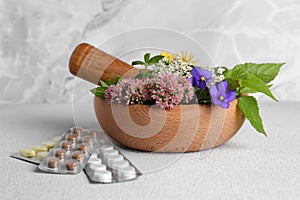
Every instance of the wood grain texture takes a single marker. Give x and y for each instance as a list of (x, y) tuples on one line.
[(92, 64), (185, 128)]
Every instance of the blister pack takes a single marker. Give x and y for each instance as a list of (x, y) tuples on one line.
[(36, 153), (79, 149), (72, 152), (108, 165)]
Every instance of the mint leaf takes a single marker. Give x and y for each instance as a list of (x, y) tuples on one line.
[(255, 84), (265, 71), (137, 62), (249, 90), (146, 57), (155, 59), (249, 106)]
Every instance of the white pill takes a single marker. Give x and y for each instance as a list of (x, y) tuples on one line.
[(97, 167), (103, 176), (105, 147), (126, 173), (114, 158), (119, 164), (94, 161), (105, 154), (94, 155)]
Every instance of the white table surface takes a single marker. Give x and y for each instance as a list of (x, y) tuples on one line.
[(249, 166)]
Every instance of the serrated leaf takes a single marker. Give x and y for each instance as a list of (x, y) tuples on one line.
[(137, 62), (265, 71), (155, 59), (256, 85), (146, 57), (249, 106)]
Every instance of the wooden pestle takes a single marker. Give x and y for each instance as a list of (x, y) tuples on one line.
[(92, 64)]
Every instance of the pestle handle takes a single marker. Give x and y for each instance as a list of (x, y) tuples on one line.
[(92, 64)]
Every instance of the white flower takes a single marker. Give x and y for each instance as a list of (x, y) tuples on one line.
[(220, 70)]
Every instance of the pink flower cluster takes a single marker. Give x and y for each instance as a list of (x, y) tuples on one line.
[(127, 91), (166, 91), (170, 90)]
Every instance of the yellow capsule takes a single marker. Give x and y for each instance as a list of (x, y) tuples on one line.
[(49, 144), (27, 152), (39, 148)]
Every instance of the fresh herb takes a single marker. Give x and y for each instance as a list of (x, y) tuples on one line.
[(252, 78), (100, 91), (218, 85), (148, 61)]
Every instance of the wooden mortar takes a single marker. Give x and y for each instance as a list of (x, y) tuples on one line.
[(185, 128)]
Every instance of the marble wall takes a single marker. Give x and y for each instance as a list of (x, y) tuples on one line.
[(37, 37)]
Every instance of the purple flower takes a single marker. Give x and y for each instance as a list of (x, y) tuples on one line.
[(200, 77), (220, 94)]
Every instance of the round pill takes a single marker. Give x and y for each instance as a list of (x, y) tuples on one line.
[(53, 162), (120, 164), (94, 161), (114, 158), (97, 167), (93, 133), (66, 145), (71, 164), (27, 152), (82, 147), (42, 155), (76, 130), (77, 155), (89, 140), (105, 147), (72, 138), (103, 176), (126, 173), (60, 153)]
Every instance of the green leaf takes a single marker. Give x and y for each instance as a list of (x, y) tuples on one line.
[(103, 84), (118, 78), (146, 57), (249, 90), (99, 92), (137, 62), (249, 106), (155, 59), (265, 71), (110, 82), (256, 85)]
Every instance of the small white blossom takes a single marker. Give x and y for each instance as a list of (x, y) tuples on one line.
[(220, 70)]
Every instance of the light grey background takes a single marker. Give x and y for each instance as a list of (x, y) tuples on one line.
[(37, 38)]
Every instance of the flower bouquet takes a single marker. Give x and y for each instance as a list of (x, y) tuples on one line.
[(174, 105)]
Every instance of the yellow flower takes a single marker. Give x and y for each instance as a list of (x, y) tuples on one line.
[(188, 58), (167, 55)]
